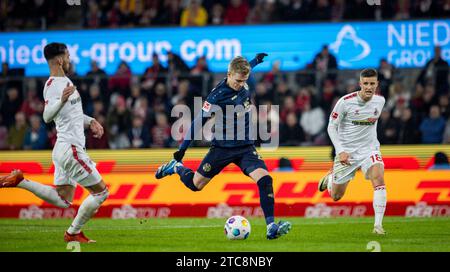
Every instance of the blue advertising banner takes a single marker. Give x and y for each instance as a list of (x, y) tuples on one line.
[(356, 45)]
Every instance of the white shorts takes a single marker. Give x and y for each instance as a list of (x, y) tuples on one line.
[(345, 173), (73, 165)]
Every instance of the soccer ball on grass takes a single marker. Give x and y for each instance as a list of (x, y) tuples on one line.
[(237, 228)]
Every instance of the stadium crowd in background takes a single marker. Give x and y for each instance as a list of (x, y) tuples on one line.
[(135, 108), (144, 13)]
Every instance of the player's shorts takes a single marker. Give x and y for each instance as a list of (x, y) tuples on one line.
[(73, 165), (218, 158), (345, 173)]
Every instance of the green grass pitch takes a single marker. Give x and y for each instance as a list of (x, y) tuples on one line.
[(201, 234)]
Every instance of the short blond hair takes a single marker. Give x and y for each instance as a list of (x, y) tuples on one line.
[(239, 65)]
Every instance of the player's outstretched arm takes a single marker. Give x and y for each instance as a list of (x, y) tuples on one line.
[(179, 154), (259, 58)]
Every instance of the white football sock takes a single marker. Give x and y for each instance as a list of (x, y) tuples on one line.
[(87, 209), (44, 192), (379, 204)]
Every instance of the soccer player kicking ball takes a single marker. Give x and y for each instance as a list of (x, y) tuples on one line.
[(353, 130), (72, 164), (231, 91)]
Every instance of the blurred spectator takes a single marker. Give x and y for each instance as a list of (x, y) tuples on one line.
[(440, 162), (217, 14), (4, 76), (199, 73), (153, 74), (11, 104), (387, 129), (131, 10), (138, 134), (118, 123), (284, 165), (32, 104), (94, 96), (236, 12), (398, 99), (338, 10), (358, 9), (407, 128), (325, 66), (183, 95), (263, 12), (175, 62), (312, 121), (98, 76), (321, 10), (385, 77), (303, 98), (274, 76), (329, 94), (288, 107), (3, 135), (161, 136), (114, 15), (120, 81), (16, 133), (194, 14), (444, 106), (142, 110), (93, 17), (403, 8), (36, 134), (281, 92), (134, 96), (433, 127), (446, 136), (261, 93), (422, 9), (96, 143), (98, 108), (291, 134), (160, 100), (169, 14), (295, 10), (435, 73)]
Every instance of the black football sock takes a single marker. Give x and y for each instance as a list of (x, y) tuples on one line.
[(266, 198), (187, 177)]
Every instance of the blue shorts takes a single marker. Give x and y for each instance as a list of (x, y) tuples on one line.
[(218, 158)]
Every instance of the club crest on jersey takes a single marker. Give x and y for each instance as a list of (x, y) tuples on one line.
[(206, 106), (206, 167), (375, 112), (356, 112)]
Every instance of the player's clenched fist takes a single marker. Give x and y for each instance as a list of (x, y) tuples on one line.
[(68, 91), (97, 129), (260, 57)]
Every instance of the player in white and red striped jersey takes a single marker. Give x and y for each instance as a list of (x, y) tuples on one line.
[(353, 130), (72, 164)]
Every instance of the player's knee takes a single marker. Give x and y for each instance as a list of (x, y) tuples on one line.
[(266, 184)]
